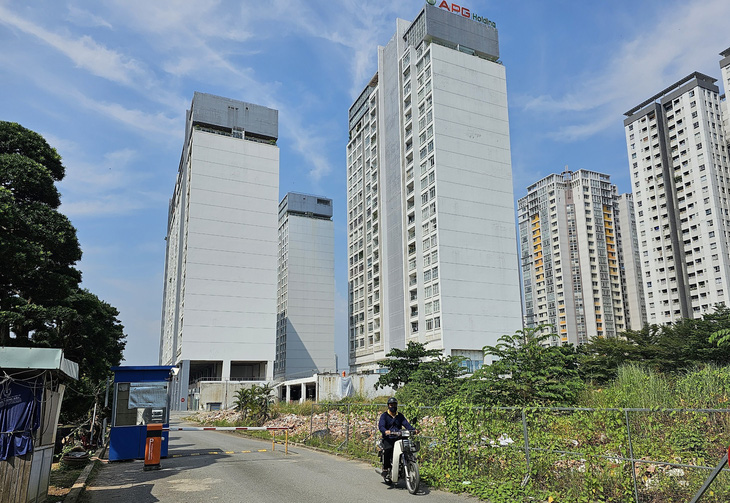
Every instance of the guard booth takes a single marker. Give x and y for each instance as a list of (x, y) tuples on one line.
[(141, 396), (31, 391)]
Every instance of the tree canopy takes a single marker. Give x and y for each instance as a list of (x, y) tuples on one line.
[(41, 302), (669, 348), (38, 245), (526, 372), (403, 363)]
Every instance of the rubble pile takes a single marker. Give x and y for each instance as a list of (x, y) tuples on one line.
[(207, 417), (334, 423), (296, 424)]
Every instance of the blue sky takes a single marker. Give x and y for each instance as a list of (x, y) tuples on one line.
[(107, 84)]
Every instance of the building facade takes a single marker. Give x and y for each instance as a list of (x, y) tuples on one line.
[(680, 174), (219, 305), (725, 77), (571, 269), (305, 328), (629, 259), (432, 252)]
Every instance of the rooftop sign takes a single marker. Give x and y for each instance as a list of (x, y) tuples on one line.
[(462, 11)]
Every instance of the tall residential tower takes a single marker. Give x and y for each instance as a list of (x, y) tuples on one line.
[(570, 257), (219, 305), (432, 252), (681, 182)]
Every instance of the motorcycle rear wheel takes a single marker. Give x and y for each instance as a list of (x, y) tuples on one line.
[(413, 479)]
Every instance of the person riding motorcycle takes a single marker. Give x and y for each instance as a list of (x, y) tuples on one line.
[(390, 422)]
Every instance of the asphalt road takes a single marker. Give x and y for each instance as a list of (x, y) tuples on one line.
[(191, 474)]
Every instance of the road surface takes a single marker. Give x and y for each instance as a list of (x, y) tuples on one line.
[(191, 474)]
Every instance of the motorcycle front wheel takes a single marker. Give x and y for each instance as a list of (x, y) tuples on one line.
[(412, 476)]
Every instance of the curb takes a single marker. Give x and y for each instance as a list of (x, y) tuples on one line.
[(80, 484)]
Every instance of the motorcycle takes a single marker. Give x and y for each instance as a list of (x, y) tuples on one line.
[(405, 464)]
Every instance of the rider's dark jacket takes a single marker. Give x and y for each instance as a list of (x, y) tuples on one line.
[(388, 422)]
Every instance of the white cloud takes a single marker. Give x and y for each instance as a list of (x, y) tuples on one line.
[(357, 28), (83, 51), (81, 17), (157, 123), (684, 37), (107, 186)]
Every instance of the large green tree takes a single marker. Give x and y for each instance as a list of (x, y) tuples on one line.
[(41, 302), (401, 364), (526, 371), (38, 245), (433, 381)]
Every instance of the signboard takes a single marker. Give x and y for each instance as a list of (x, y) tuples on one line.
[(462, 11)]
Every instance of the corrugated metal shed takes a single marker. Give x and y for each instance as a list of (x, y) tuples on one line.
[(37, 359)]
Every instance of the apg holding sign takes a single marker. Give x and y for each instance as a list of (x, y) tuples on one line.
[(458, 9)]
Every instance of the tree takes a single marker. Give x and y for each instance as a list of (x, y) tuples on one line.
[(41, 303), (433, 381), (600, 358), (527, 372), (38, 245), (689, 342), (669, 348), (88, 331), (254, 403), (403, 363)]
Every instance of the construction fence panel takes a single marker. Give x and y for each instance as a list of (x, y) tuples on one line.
[(639, 455)]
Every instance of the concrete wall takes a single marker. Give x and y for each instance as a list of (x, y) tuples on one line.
[(229, 289), (477, 243), (328, 389), (310, 313)]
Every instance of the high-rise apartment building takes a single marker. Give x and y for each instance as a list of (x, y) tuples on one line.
[(629, 259), (725, 74), (432, 252), (305, 328), (571, 271), (681, 178), (219, 305)]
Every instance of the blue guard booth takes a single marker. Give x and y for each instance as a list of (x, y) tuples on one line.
[(141, 396)]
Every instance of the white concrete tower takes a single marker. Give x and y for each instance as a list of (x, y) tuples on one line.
[(219, 306), (305, 331), (432, 252), (725, 72), (629, 258)]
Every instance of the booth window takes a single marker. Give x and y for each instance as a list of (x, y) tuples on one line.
[(141, 403)]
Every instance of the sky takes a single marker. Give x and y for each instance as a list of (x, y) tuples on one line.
[(107, 83)]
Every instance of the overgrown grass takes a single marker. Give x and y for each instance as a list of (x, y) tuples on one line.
[(460, 449), (638, 387)]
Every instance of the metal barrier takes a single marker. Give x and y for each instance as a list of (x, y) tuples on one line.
[(273, 429), (620, 440)]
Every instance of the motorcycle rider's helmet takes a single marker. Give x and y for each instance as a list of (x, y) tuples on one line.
[(393, 404)]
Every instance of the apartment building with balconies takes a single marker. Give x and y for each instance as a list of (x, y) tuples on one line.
[(680, 174), (432, 252)]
